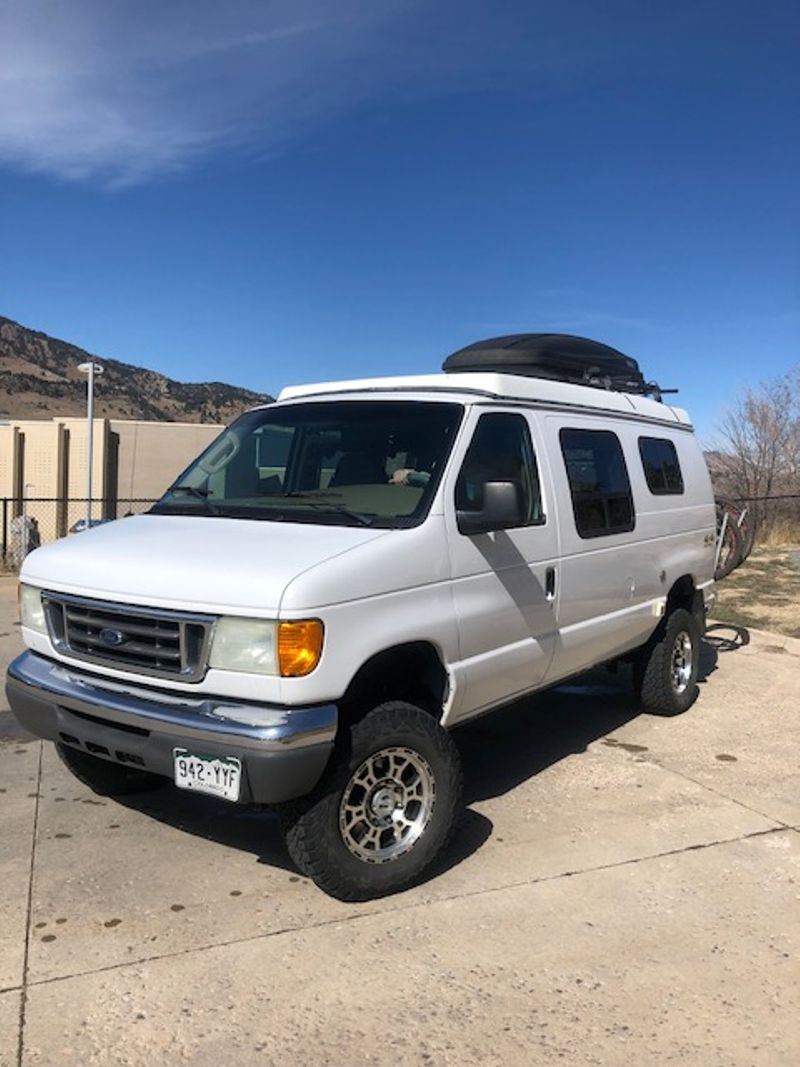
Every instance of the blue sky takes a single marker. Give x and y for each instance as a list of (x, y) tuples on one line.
[(284, 191)]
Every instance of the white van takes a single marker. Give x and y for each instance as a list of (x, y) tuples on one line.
[(348, 573)]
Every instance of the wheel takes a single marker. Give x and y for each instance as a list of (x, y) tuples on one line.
[(665, 671), (730, 553), (744, 518), (105, 778), (384, 810)]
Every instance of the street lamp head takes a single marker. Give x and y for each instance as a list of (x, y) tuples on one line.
[(85, 368)]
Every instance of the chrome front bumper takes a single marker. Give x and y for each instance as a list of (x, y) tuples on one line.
[(283, 750)]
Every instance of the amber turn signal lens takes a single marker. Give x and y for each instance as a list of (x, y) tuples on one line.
[(299, 647)]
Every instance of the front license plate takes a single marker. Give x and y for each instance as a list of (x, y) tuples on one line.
[(220, 776)]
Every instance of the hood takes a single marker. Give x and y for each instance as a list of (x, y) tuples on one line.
[(195, 563)]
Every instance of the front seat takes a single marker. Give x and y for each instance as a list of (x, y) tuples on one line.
[(359, 468)]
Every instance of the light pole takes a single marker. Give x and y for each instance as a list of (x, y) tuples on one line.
[(91, 369), (26, 492)]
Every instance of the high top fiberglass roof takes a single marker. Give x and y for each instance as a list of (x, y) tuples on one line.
[(471, 386)]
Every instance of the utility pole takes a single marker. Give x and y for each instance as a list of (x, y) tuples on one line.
[(91, 369)]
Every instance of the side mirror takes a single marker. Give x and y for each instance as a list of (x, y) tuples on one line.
[(501, 509)]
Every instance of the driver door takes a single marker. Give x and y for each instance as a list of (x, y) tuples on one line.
[(504, 582)]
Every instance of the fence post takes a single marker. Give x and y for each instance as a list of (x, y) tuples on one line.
[(5, 527)]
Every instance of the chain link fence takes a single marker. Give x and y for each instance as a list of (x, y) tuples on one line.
[(28, 522)]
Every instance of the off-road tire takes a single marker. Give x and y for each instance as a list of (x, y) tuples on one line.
[(654, 668), (311, 826), (105, 778)]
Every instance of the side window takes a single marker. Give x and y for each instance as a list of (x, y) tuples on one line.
[(501, 451), (598, 480), (661, 466)]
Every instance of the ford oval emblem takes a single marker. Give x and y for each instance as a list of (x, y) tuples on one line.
[(111, 637)]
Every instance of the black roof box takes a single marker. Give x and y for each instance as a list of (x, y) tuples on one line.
[(557, 356)]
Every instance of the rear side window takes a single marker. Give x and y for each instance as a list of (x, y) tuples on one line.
[(501, 450), (662, 468), (598, 480)]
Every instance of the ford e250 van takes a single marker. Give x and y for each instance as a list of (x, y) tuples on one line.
[(345, 575)]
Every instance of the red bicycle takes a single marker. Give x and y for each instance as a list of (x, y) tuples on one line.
[(736, 533)]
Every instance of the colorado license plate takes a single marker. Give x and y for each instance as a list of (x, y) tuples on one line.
[(220, 776)]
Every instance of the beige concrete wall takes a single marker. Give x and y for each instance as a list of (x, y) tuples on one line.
[(75, 466), (150, 455), (132, 460), (41, 451), (9, 461)]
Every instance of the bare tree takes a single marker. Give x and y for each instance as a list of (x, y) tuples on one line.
[(761, 445)]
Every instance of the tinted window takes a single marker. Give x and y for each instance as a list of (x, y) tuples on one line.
[(661, 467), (598, 481), (501, 451)]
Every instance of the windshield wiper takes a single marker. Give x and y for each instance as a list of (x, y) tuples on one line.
[(194, 490), (332, 505)]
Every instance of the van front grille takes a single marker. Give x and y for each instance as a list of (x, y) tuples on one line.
[(165, 644)]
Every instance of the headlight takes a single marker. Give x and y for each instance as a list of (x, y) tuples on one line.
[(244, 645), (260, 646), (31, 609)]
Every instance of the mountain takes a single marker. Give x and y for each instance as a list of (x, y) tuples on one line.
[(39, 379)]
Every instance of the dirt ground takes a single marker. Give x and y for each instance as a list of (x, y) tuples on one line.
[(623, 890), (764, 592)]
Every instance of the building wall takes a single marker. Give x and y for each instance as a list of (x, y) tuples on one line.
[(9, 461), (41, 461), (76, 455), (133, 460), (150, 455)]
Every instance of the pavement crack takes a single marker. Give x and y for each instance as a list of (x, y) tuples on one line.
[(340, 920), (23, 1000), (779, 823)]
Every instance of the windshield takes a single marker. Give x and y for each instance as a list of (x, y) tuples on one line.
[(349, 462)]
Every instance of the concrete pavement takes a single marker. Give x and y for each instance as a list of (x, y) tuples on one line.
[(624, 888)]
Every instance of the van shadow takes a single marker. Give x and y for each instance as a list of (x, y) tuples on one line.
[(256, 830), (499, 752), (248, 829), (514, 744), (506, 748)]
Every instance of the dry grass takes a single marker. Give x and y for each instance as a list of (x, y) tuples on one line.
[(764, 592), (781, 533)]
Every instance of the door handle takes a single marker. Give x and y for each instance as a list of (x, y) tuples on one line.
[(550, 583)]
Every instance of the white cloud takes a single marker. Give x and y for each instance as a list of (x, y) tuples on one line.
[(123, 90)]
